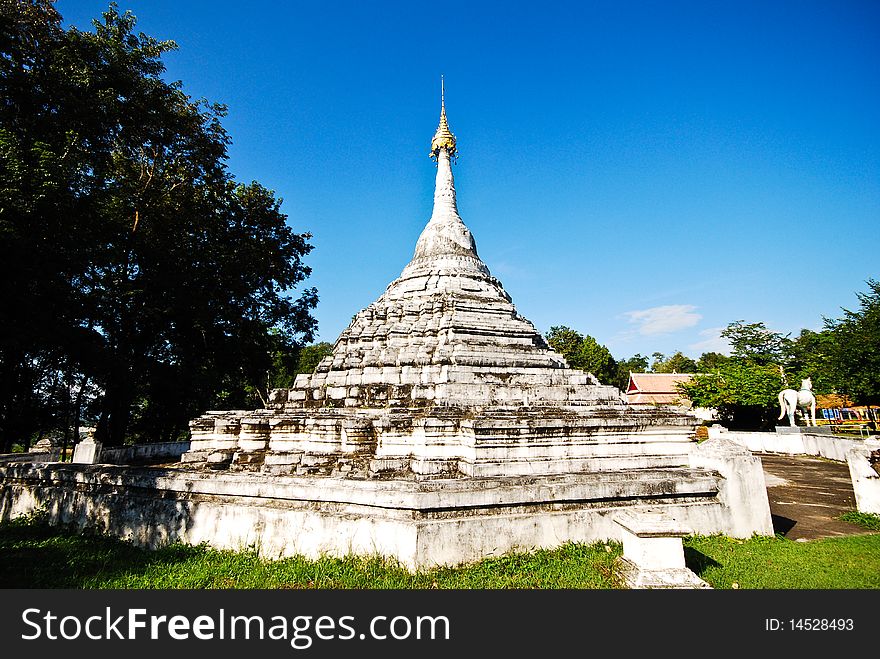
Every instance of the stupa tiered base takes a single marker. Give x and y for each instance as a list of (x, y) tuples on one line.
[(448, 441)]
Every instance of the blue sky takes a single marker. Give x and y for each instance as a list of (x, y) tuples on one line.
[(643, 172)]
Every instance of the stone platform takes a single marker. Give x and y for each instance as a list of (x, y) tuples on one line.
[(440, 440), (420, 523), (653, 553)]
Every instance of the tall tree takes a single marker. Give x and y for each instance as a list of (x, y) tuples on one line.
[(744, 387), (597, 359), (43, 244), (811, 356), (656, 359), (677, 363), (565, 341), (583, 352), (132, 261), (635, 364), (854, 350), (311, 355), (709, 361), (755, 343)]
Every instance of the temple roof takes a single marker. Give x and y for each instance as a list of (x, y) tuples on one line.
[(656, 388)]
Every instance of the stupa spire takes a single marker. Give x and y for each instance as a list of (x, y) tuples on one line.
[(445, 233), (443, 138)]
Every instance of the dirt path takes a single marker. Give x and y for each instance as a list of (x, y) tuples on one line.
[(807, 495)]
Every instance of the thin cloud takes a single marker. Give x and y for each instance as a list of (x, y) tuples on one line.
[(663, 320), (713, 342)]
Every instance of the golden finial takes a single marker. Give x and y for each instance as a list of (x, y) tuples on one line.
[(443, 138)]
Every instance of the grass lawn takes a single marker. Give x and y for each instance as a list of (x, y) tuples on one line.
[(36, 555)]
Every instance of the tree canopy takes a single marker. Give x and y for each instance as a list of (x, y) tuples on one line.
[(753, 342), (677, 363), (852, 352), (744, 387), (744, 393), (140, 280), (842, 360), (583, 352)]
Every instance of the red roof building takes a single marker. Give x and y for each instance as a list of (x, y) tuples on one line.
[(660, 389), (656, 389)]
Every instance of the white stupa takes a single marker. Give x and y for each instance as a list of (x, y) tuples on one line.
[(441, 375)]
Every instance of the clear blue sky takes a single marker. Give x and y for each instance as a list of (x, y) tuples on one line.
[(644, 172)]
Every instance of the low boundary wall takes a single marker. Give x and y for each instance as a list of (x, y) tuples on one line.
[(137, 454), (144, 453), (799, 440), (861, 455), (419, 523)]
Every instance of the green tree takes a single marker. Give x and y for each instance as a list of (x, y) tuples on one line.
[(811, 356), (597, 359), (744, 393), (755, 343), (310, 355), (290, 360), (854, 348), (140, 280), (583, 352), (565, 341), (709, 361), (743, 388), (656, 359), (678, 363)]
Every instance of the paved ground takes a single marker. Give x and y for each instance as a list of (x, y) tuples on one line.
[(807, 495)]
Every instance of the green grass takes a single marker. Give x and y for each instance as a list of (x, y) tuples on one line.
[(867, 520), (34, 554), (764, 562)]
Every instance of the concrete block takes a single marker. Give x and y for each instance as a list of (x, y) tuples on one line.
[(862, 461), (652, 540), (88, 451), (653, 554), (744, 490)]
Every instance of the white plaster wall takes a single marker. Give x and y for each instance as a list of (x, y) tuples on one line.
[(154, 451), (743, 491), (797, 443), (653, 553), (866, 481), (314, 517)]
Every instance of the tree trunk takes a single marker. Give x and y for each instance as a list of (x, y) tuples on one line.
[(115, 409), (18, 417)]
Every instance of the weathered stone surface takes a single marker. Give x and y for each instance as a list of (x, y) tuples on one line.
[(489, 441), (863, 461), (87, 451), (653, 553), (422, 523), (447, 329)]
